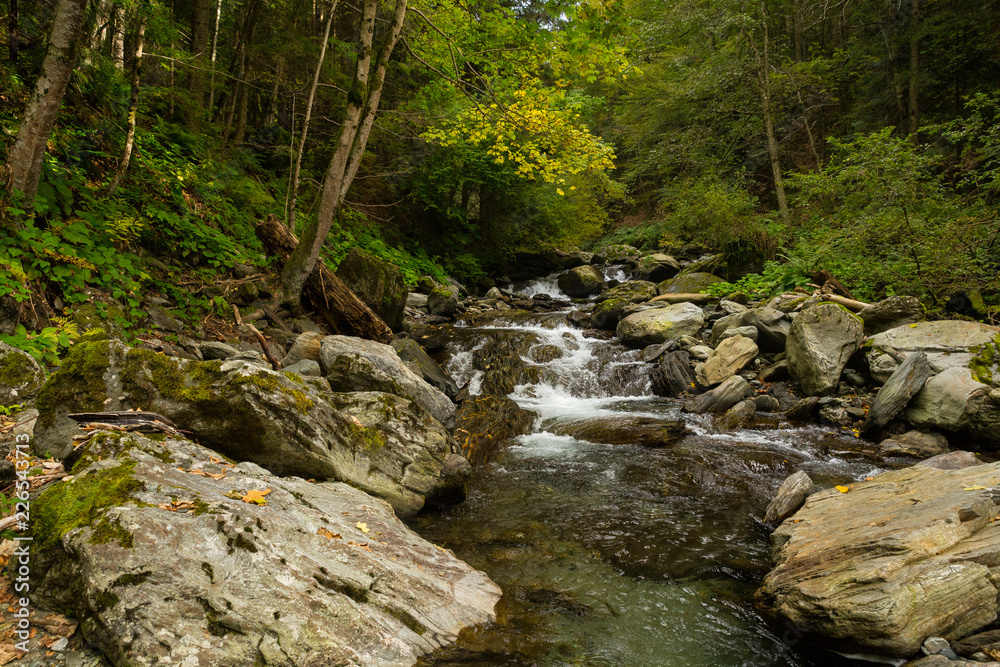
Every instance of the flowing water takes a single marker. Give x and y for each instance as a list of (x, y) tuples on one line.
[(619, 554)]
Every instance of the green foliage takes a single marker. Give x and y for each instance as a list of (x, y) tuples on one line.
[(47, 345), (776, 278)]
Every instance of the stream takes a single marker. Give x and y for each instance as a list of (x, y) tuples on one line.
[(621, 554)]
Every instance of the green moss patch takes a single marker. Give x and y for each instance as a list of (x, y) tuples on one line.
[(14, 370), (79, 382), (985, 364)]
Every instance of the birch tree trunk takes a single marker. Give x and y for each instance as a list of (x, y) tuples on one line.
[(199, 49), (763, 63), (28, 152), (362, 103), (117, 31), (913, 115), (293, 184), (133, 106), (215, 50)]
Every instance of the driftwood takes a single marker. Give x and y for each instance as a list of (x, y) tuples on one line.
[(334, 301), (830, 285), (275, 364), (682, 297), (126, 418), (851, 304)]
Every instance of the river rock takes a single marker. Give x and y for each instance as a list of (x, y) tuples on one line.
[(790, 496), (409, 350), (608, 313), (967, 647), (890, 313), (720, 399), (726, 360), (616, 254), (417, 300), (657, 268), (486, 424), (947, 343), (20, 376), (737, 416), (306, 346), (747, 331), (772, 325), (381, 443), (354, 364), (943, 401), (442, 302), (908, 378), (305, 368), (905, 556), (624, 430), (803, 410), (673, 375), (378, 283), (632, 291), (688, 283), (213, 349), (952, 460), (767, 403), (165, 567), (582, 281), (917, 444), (658, 325), (820, 342)]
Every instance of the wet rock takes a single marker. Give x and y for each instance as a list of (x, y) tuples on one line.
[(784, 397), (659, 325), (543, 354), (654, 352), (720, 399), (582, 281), (700, 352), (321, 572), (766, 403), (354, 364), (608, 313), (820, 343), (947, 343), (890, 313), (952, 460), (774, 372), (944, 661), (790, 496), (772, 326), (212, 349), (581, 320), (632, 291), (908, 379), (20, 376), (486, 424), (624, 430), (657, 268), (378, 283), (687, 283), (915, 443), (409, 350), (737, 416), (616, 254), (673, 375), (726, 360), (443, 302), (803, 410), (863, 569), (306, 346), (989, 640)]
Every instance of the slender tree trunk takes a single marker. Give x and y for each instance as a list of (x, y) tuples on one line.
[(133, 106), (914, 105), (199, 51), (241, 117), (13, 34), (28, 152), (170, 110), (763, 63), (117, 31), (293, 185), (215, 45), (272, 102), (362, 102)]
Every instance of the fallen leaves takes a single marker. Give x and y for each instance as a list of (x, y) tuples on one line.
[(202, 473), (179, 506), (256, 496), (842, 489), (975, 487), (328, 534), (363, 527)]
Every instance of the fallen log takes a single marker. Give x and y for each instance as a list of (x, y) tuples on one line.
[(851, 304), (339, 306), (682, 297)]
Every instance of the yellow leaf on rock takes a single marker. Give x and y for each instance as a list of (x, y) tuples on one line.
[(362, 526), (975, 488), (327, 534), (843, 489), (256, 496)]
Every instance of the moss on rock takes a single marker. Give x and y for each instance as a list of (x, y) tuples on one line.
[(985, 364), (79, 382)]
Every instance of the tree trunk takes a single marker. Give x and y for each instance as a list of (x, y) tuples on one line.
[(199, 51), (133, 106), (338, 305), (28, 152), (914, 105), (215, 50), (763, 63), (13, 34), (117, 31), (362, 103), (293, 184)]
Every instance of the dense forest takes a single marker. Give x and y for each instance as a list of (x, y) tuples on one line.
[(143, 139)]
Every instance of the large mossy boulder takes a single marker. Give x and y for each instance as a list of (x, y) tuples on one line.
[(376, 282), (656, 268), (443, 302), (658, 325), (947, 343), (20, 376), (582, 281), (161, 550), (632, 291), (382, 443), (616, 253), (908, 555), (689, 283), (355, 364), (608, 313), (820, 342)]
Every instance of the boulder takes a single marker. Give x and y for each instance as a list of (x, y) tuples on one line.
[(306, 346), (772, 328), (943, 401), (720, 399), (417, 300), (486, 424), (20, 376), (726, 360), (952, 460), (582, 281), (442, 302), (767, 403), (355, 364), (890, 313), (893, 561), (624, 430), (305, 368), (409, 350), (737, 416), (916, 444), (803, 410), (688, 282), (820, 342), (659, 325), (749, 332), (947, 343), (164, 563), (632, 291), (213, 349), (790, 496), (657, 268), (673, 375), (608, 313), (575, 258), (616, 254), (908, 378)]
